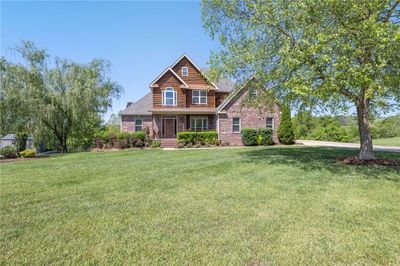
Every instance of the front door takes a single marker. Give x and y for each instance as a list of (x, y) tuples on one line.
[(169, 128)]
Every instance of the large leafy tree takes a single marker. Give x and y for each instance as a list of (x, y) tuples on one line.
[(336, 53), (61, 97)]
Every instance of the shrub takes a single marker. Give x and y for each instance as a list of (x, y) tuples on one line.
[(20, 141), (123, 144), (147, 139), (198, 137), (256, 136), (124, 135), (249, 136), (99, 143), (156, 144), (266, 136), (9, 152), (28, 153), (112, 140), (285, 131), (139, 143)]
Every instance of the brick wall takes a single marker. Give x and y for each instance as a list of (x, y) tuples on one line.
[(128, 122), (249, 118)]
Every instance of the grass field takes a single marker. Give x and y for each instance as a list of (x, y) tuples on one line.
[(388, 141), (272, 206)]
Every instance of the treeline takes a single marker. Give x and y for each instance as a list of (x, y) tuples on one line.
[(341, 128)]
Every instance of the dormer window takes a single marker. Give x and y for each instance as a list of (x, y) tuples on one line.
[(169, 97), (185, 71)]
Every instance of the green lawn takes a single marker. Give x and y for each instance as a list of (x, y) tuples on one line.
[(269, 206), (387, 141)]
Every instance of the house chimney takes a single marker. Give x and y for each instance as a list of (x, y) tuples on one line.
[(128, 104)]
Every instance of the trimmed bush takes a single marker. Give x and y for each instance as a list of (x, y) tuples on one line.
[(29, 153), (256, 136), (202, 138), (285, 131), (266, 136), (156, 144), (8, 152), (249, 136)]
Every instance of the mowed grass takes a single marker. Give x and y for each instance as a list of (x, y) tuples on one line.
[(268, 206), (387, 141)]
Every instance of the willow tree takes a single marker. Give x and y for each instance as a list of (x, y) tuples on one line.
[(336, 53), (59, 97)]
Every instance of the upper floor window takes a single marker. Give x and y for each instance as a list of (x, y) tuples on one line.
[(270, 122), (138, 124), (236, 125), (169, 96), (185, 71), (199, 97)]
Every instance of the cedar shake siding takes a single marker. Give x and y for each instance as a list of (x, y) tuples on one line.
[(169, 80), (210, 99), (194, 77), (249, 118)]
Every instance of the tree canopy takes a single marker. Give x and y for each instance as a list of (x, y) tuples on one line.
[(332, 53), (62, 98)]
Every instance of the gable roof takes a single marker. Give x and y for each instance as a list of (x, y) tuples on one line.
[(232, 96), (140, 107), (176, 75), (13, 136), (224, 84), (173, 73)]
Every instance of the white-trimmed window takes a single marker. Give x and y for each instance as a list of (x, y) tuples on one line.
[(199, 97), (199, 123), (169, 97), (138, 124), (236, 125), (270, 122), (185, 71)]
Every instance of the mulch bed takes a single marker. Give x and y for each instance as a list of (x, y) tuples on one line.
[(357, 161)]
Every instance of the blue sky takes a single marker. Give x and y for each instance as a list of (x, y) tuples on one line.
[(140, 39)]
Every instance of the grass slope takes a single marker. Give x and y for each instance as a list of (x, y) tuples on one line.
[(280, 206), (387, 141)]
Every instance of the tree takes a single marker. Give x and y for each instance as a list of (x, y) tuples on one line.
[(20, 141), (63, 98), (285, 130), (335, 53)]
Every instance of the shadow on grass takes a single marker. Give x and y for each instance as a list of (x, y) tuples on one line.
[(323, 158)]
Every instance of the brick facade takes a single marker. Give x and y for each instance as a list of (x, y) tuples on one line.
[(128, 122), (249, 118)]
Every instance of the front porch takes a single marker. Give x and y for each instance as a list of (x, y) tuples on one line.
[(168, 126)]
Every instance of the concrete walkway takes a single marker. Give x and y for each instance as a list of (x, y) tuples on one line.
[(346, 145)]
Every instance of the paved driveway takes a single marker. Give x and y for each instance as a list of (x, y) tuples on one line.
[(346, 145)]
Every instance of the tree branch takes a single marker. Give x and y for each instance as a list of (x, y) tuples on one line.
[(390, 12)]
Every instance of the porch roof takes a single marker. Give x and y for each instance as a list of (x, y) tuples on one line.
[(184, 111)]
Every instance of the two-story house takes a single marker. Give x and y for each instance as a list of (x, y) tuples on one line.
[(182, 98)]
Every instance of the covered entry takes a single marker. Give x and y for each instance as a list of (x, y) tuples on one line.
[(169, 126)]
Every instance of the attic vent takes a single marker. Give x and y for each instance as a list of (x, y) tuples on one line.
[(128, 104)]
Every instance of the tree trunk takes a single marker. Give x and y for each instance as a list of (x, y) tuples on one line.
[(366, 148), (63, 144)]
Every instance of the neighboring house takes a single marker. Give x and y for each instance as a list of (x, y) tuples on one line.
[(9, 140), (182, 98)]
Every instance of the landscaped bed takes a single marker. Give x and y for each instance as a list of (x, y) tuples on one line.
[(273, 205)]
